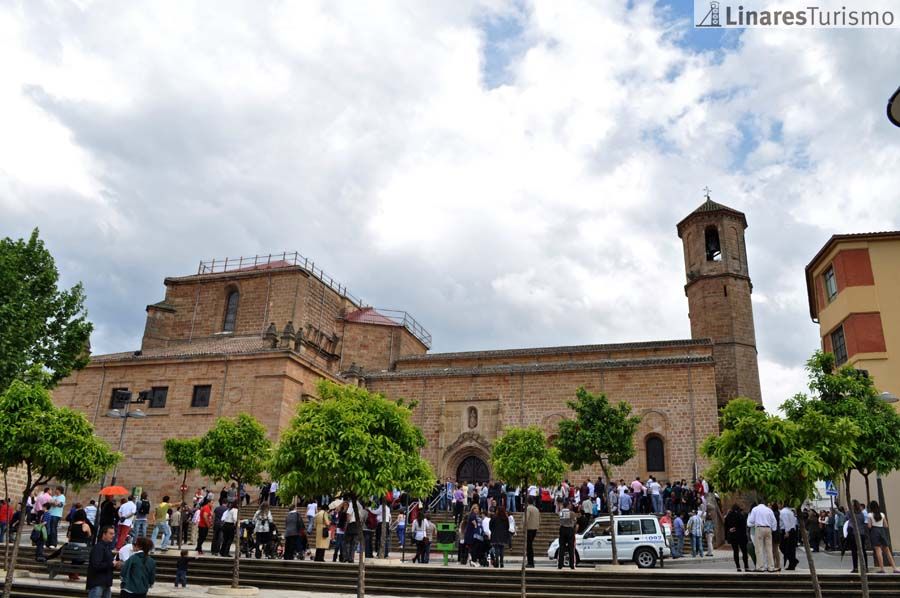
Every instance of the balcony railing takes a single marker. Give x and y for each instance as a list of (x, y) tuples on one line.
[(404, 319), (273, 260)]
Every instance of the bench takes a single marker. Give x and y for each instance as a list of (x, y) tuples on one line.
[(72, 558)]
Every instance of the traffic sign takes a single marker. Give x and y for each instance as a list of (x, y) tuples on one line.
[(830, 490)]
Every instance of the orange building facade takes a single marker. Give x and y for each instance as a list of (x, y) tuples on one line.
[(853, 284)]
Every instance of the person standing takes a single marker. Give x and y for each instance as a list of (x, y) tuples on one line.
[(763, 520), (736, 535), (323, 537), (695, 531), (126, 519), (876, 521), (204, 522), (229, 528), (566, 535), (217, 526), (312, 508), (56, 504), (500, 533), (291, 532), (101, 564), (139, 571), (262, 526), (678, 530), (709, 531), (141, 515), (789, 541)]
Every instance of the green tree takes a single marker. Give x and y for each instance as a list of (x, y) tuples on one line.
[(351, 443), (47, 443), (39, 323), (779, 458), (235, 449), (182, 455), (849, 393), (521, 457), (600, 433)]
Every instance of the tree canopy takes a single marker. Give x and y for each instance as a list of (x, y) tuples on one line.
[(182, 454), (846, 392), (351, 441), (600, 433), (47, 442), (778, 458), (39, 322), (234, 449), (521, 457)]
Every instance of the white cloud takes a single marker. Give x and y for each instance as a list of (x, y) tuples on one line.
[(142, 138)]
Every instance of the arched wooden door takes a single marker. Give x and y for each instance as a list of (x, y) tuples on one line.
[(473, 469)]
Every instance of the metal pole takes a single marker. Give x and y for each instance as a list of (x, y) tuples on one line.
[(121, 441)]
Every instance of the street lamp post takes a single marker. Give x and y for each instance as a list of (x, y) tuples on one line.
[(893, 108), (124, 415), (887, 397)]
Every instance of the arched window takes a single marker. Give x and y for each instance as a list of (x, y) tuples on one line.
[(656, 454), (231, 307), (713, 246)]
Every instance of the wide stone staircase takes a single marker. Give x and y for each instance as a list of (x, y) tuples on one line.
[(439, 581)]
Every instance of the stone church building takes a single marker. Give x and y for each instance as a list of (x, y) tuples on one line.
[(255, 334)]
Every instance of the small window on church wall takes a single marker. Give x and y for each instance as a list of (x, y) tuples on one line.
[(713, 247), (656, 454), (231, 307)]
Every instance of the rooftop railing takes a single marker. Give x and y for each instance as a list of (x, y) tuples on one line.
[(273, 260), (404, 319)]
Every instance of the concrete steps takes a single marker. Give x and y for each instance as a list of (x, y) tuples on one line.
[(427, 580)]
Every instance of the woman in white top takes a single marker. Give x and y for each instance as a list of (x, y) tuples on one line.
[(229, 527), (262, 526), (876, 521)]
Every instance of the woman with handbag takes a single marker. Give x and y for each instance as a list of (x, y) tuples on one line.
[(321, 523), (474, 536)]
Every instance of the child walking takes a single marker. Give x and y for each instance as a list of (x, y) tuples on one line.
[(181, 569)]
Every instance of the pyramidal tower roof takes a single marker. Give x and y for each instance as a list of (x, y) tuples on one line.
[(710, 207)]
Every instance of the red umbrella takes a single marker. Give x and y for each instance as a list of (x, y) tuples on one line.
[(113, 491)]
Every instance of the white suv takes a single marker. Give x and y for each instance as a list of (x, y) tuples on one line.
[(638, 537)]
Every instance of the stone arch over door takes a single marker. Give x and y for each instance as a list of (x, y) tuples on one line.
[(550, 424), (654, 425), (469, 444)]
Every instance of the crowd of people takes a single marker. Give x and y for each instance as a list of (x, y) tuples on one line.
[(484, 522), (770, 535)]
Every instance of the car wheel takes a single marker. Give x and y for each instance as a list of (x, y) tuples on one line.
[(645, 558)]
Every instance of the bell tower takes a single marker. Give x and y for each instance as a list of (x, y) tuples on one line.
[(718, 290)]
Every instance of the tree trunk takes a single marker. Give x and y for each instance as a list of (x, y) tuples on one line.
[(525, 529), (181, 528), (11, 566), (868, 491), (8, 530), (861, 562), (361, 586), (236, 573), (813, 576), (612, 521)]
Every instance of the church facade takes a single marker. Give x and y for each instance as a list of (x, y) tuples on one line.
[(255, 335)]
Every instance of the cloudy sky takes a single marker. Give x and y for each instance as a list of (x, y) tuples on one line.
[(510, 173)]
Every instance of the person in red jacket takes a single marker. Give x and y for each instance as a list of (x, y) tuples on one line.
[(6, 513)]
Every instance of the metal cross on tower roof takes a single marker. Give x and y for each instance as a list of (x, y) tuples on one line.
[(707, 190)]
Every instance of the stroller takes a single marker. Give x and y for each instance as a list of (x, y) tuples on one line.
[(248, 538)]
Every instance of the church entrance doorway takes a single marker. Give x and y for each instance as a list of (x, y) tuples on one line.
[(473, 469)]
